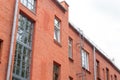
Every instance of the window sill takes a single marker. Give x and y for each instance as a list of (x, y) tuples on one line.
[(88, 71), (57, 43), (71, 59)]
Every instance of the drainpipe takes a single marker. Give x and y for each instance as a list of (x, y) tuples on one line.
[(94, 55), (12, 40)]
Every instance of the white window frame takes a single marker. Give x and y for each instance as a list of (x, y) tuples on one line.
[(57, 30), (85, 60)]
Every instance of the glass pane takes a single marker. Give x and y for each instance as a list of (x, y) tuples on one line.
[(56, 69), (83, 59), (15, 78), (58, 36), (87, 63), (70, 48), (56, 76), (55, 21), (30, 1), (55, 35), (25, 2), (30, 6), (70, 51)]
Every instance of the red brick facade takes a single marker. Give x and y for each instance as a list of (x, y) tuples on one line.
[(46, 50)]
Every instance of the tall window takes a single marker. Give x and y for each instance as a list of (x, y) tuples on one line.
[(107, 74), (103, 73), (30, 4), (23, 50), (70, 47), (56, 71), (98, 69), (115, 77), (85, 61), (57, 30)]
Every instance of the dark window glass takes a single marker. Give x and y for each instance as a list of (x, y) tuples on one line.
[(98, 69), (115, 77), (56, 71), (70, 78), (107, 74)]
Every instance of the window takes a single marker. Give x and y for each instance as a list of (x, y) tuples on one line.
[(70, 78), (70, 46), (97, 69), (115, 77), (56, 71), (107, 74), (22, 59), (103, 73), (0, 49), (85, 61), (30, 4), (57, 30)]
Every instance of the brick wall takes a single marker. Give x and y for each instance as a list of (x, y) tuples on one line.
[(6, 20), (45, 50)]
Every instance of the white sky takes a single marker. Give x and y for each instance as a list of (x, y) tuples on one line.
[(100, 21)]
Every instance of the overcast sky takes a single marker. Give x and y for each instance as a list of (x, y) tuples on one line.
[(100, 21)]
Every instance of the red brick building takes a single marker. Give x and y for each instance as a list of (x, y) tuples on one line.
[(37, 42)]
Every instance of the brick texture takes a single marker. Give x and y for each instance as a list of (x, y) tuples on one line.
[(45, 49)]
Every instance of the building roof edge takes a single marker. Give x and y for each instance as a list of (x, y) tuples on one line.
[(94, 45)]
